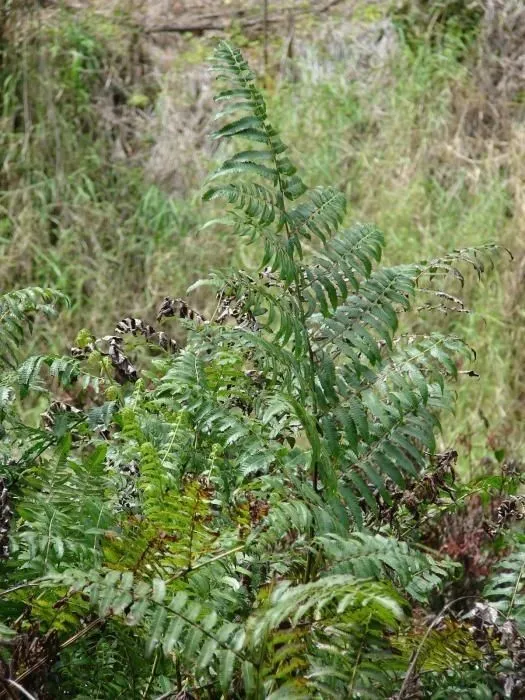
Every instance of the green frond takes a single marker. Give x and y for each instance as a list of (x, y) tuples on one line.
[(169, 623), (332, 599), (449, 265), (505, 588), (334, 611), (256, 201), (368, 556), (241, 96), (319, 215), (18, 311), (65, 369), (442, 650)]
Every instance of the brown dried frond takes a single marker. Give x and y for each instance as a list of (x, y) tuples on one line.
[(136, 326), (488, 628), (425, 489), (178, 307), (231, 306), (125, 371)]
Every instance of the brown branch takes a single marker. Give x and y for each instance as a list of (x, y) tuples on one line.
[(182, 28), (329, 5)]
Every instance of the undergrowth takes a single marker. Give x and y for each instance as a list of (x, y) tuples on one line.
[(256, 507)]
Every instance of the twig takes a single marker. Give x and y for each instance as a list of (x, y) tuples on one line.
[(183, 28), (152, 676), (412, 668), (329, 5), (21, 689), (174, 692), (7, 690), (223, 26), (29, 584), (218, 557)]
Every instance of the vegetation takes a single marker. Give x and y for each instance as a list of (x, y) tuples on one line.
[(104, 150), (256, 507)]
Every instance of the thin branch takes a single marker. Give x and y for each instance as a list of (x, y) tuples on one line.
[(190, 28), (21, 689), (195, 27), (152, 676), (415, 656), (20, 586), (265, 21), (7, 690), (218, 557)]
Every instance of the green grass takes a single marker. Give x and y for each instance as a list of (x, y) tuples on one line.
[(99, 229)]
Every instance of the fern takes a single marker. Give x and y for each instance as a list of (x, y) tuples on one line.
[(235, 516), (506, 588), (18, 312), (374, 556)]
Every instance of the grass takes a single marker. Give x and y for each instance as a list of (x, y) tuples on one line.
[(76, 215)]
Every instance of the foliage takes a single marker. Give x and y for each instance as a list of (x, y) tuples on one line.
[(240, 516)]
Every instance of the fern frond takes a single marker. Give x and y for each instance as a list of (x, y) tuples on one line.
[(335, 610), (259, 203), (320, 214), (18, 310), (171, 623), (442, 650), (368, 556), (243, 97), (506, 587), (329, 600)]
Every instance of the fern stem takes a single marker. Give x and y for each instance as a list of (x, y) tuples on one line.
[(20, 586), (515, 591), (151, 677), (358, 659)]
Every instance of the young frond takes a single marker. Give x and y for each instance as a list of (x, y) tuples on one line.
[(241, 96)]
